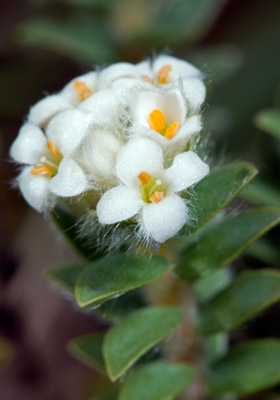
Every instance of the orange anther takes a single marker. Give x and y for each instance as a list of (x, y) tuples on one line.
[(82, 90), (144, 178), (41, 169), (157, 197), (163, 74), (53, 149), (171, 130), (157, 120), (146, 78)]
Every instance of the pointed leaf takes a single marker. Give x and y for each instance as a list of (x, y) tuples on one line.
[(126, 342), (88, 349), (156, 381), (247, 368), (224, 242), (217, 189), (65, 276), (247, 296), (111, 276), (269, 121)]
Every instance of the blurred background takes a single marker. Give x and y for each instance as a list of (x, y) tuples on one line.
[(43, 45)]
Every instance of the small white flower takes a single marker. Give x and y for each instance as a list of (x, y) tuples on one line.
[(98, 156), (73, 94), (51, 166), (163, 72), (147, 189), (162, 117), (80, 88)]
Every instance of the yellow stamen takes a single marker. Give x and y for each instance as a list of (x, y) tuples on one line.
[(144, 178), (41, 169), (82, 90), (171, 130), (157, 197), (53, 149), (46, 123), (163, 74), (146, 78), (157, 120)]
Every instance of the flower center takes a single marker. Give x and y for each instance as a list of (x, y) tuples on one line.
[(48, 165), (158, 123), (151, 189), (163, 74), (82, 90)]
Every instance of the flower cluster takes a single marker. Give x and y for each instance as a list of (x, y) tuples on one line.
[(121, 136)]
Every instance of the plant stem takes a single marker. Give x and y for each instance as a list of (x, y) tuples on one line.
[(185, 345)]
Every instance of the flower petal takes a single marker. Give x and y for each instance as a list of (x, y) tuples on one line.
[(144, 68), (174, 107), (180, 68), (186, 170), (138, 155), (103, 107), (195, 92), (70, 179), (29, 146), (118, 204), (116, 71), (46, 108), (145, 102), (190, 127), (69, 92), (98, 154), (35, 189), (164, 219), (67, 129)]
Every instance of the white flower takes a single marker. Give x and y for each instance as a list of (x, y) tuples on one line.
[(163, 72), (51, 166), (162, 117), (98, 155), (73, 94), (80, 88), (149, 191)]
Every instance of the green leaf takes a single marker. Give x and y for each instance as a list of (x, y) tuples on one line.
[(111, 276), (217, 189), (269, 121), (181, 20), (224, 242), (215, 346), (112, 310), (206, 288), (126, 342), (261, 193), (83, 42), (265, 251), (65, 275), (67, 224), (247, 368), (156, 381), (248, 295), (88, 349)]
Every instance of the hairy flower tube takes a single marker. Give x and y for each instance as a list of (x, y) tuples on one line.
[(118, 142)]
